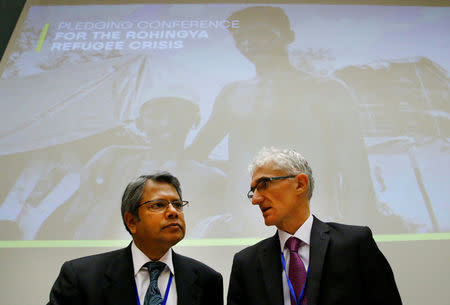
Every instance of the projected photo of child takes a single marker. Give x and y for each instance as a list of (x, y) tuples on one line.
[(163, 125), (284, 106)]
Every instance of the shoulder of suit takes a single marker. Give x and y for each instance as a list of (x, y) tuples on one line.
[(263, 244), (352, 231), (97, 259)]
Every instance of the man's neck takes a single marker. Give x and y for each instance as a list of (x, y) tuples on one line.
[(152, 252), (296, 221)]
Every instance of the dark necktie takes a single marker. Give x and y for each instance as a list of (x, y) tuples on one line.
[(297, 271), (153, 295)]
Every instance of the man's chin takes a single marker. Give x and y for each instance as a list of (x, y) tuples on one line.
[(268, 222), (175, 238)]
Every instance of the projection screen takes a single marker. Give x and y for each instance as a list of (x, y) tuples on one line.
[(94, 94)]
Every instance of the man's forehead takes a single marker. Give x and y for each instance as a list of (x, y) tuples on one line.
[(266, 170), (156, 187)]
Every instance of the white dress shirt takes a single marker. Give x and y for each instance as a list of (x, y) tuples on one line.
[(142, 277), (303, 233)]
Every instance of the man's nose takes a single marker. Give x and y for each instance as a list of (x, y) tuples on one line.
[(171, 212), (257, 197)]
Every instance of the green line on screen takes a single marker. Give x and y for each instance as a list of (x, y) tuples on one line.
[(62, 243), (207, 242), (411, 237), (42, 37)]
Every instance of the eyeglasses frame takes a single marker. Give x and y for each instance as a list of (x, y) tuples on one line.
[(184, 203), (266, 179)]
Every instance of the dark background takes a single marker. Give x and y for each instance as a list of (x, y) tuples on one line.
[(9, 14)]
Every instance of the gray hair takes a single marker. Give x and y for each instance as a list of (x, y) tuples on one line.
[(132, 195), (287, 160)]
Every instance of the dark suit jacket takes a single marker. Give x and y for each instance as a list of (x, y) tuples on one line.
[(346, 267), (108, 278)]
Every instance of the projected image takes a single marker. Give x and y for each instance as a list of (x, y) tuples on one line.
[(113, 92)]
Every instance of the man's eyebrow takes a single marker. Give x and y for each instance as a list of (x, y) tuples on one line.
[(258, 181)]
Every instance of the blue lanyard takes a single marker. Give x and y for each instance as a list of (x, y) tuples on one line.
[(165, 294), (291, 288)]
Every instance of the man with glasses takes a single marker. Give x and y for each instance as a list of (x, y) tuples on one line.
[(146, 272), (307, 261)]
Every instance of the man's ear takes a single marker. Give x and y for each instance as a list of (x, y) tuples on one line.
[(131, 221), (302, 183)]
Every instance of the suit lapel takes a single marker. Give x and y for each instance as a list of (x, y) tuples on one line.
[(318, 249), (186, 279), (270, 269), (120, 286)]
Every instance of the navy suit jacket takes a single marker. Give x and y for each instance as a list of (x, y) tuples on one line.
[(346, 267), (108, 279)]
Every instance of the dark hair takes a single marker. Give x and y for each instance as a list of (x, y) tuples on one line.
[(274, 16), (132, 195), (185, 109)]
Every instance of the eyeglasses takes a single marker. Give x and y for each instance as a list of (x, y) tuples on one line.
[(263, 183), (161, 205)]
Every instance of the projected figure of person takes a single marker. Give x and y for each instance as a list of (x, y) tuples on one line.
[(163, 125), (281, 105)]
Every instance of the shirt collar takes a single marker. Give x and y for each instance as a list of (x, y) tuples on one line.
[(303, 233), (139, 259)]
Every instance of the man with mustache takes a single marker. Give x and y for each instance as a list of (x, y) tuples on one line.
[(148, 271), (307, 261)]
